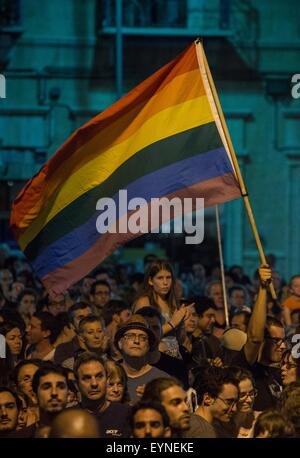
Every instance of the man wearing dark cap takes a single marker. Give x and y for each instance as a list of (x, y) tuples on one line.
[(134, 340)]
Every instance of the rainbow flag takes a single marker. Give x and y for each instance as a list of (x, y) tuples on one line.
[(161, 139)]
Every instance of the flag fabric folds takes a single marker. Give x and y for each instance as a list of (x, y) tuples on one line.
[(160, 140)]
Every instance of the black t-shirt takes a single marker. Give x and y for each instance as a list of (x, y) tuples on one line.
[(114, 421), (66, 350), (267, 381), (25, 433), (174, 367), (225, 430), (205, 347)]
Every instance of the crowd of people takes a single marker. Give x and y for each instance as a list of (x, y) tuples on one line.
[(134, 355)]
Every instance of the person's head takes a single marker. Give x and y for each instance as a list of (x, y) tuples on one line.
[(16, 288), (51, 389), (76, 424), (191, 323), (290, 404), (148, 260), (77, 312), (102, 274), (154, 319), (134, 339), (277, 280), (116, 312), (218, 392), (238, 296), (247, 390), (274, 341), (169, 393), (13, 335), (198, 270), (160, 277), (240, 320), (233, 339), (214, 291), (91, 333), (136, 281), (90, 373), (295, 285), (86, 285), (206, 311), (27, 300), (57, 305), (23, 411), (100, 293), (288, 368), (23, 376), (116, 389), (272, 424), (6, 279), (236, 272), (9, 410), (159, 280), (149, 419), (42, 326)]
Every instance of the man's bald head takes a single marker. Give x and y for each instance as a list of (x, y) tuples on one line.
[(75, 423)]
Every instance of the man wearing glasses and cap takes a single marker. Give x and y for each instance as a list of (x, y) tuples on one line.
[(134, 340)]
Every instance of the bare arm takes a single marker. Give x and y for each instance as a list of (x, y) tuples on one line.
[(287, 316), (140, 303), (256, 327)]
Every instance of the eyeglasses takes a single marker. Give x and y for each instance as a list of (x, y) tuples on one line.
[(140, 337), (251, 394), (277, 341), (229, 402)]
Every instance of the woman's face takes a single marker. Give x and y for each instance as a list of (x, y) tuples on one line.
[(247, 395), (288, 370), (14, 341), (161, 282), (27, 305), (115, 390), (25, 377), (23, 415)]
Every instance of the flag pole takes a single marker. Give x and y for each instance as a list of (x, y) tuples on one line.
[(234, 160), (222, 266)]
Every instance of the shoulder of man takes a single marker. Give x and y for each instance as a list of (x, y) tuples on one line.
[(65, 350), (199, 428), (27, 432)]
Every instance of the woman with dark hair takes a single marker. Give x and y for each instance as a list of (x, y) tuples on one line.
[(245, 417), (13, 334), (288, 368), (159, 291), (26, 304)]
